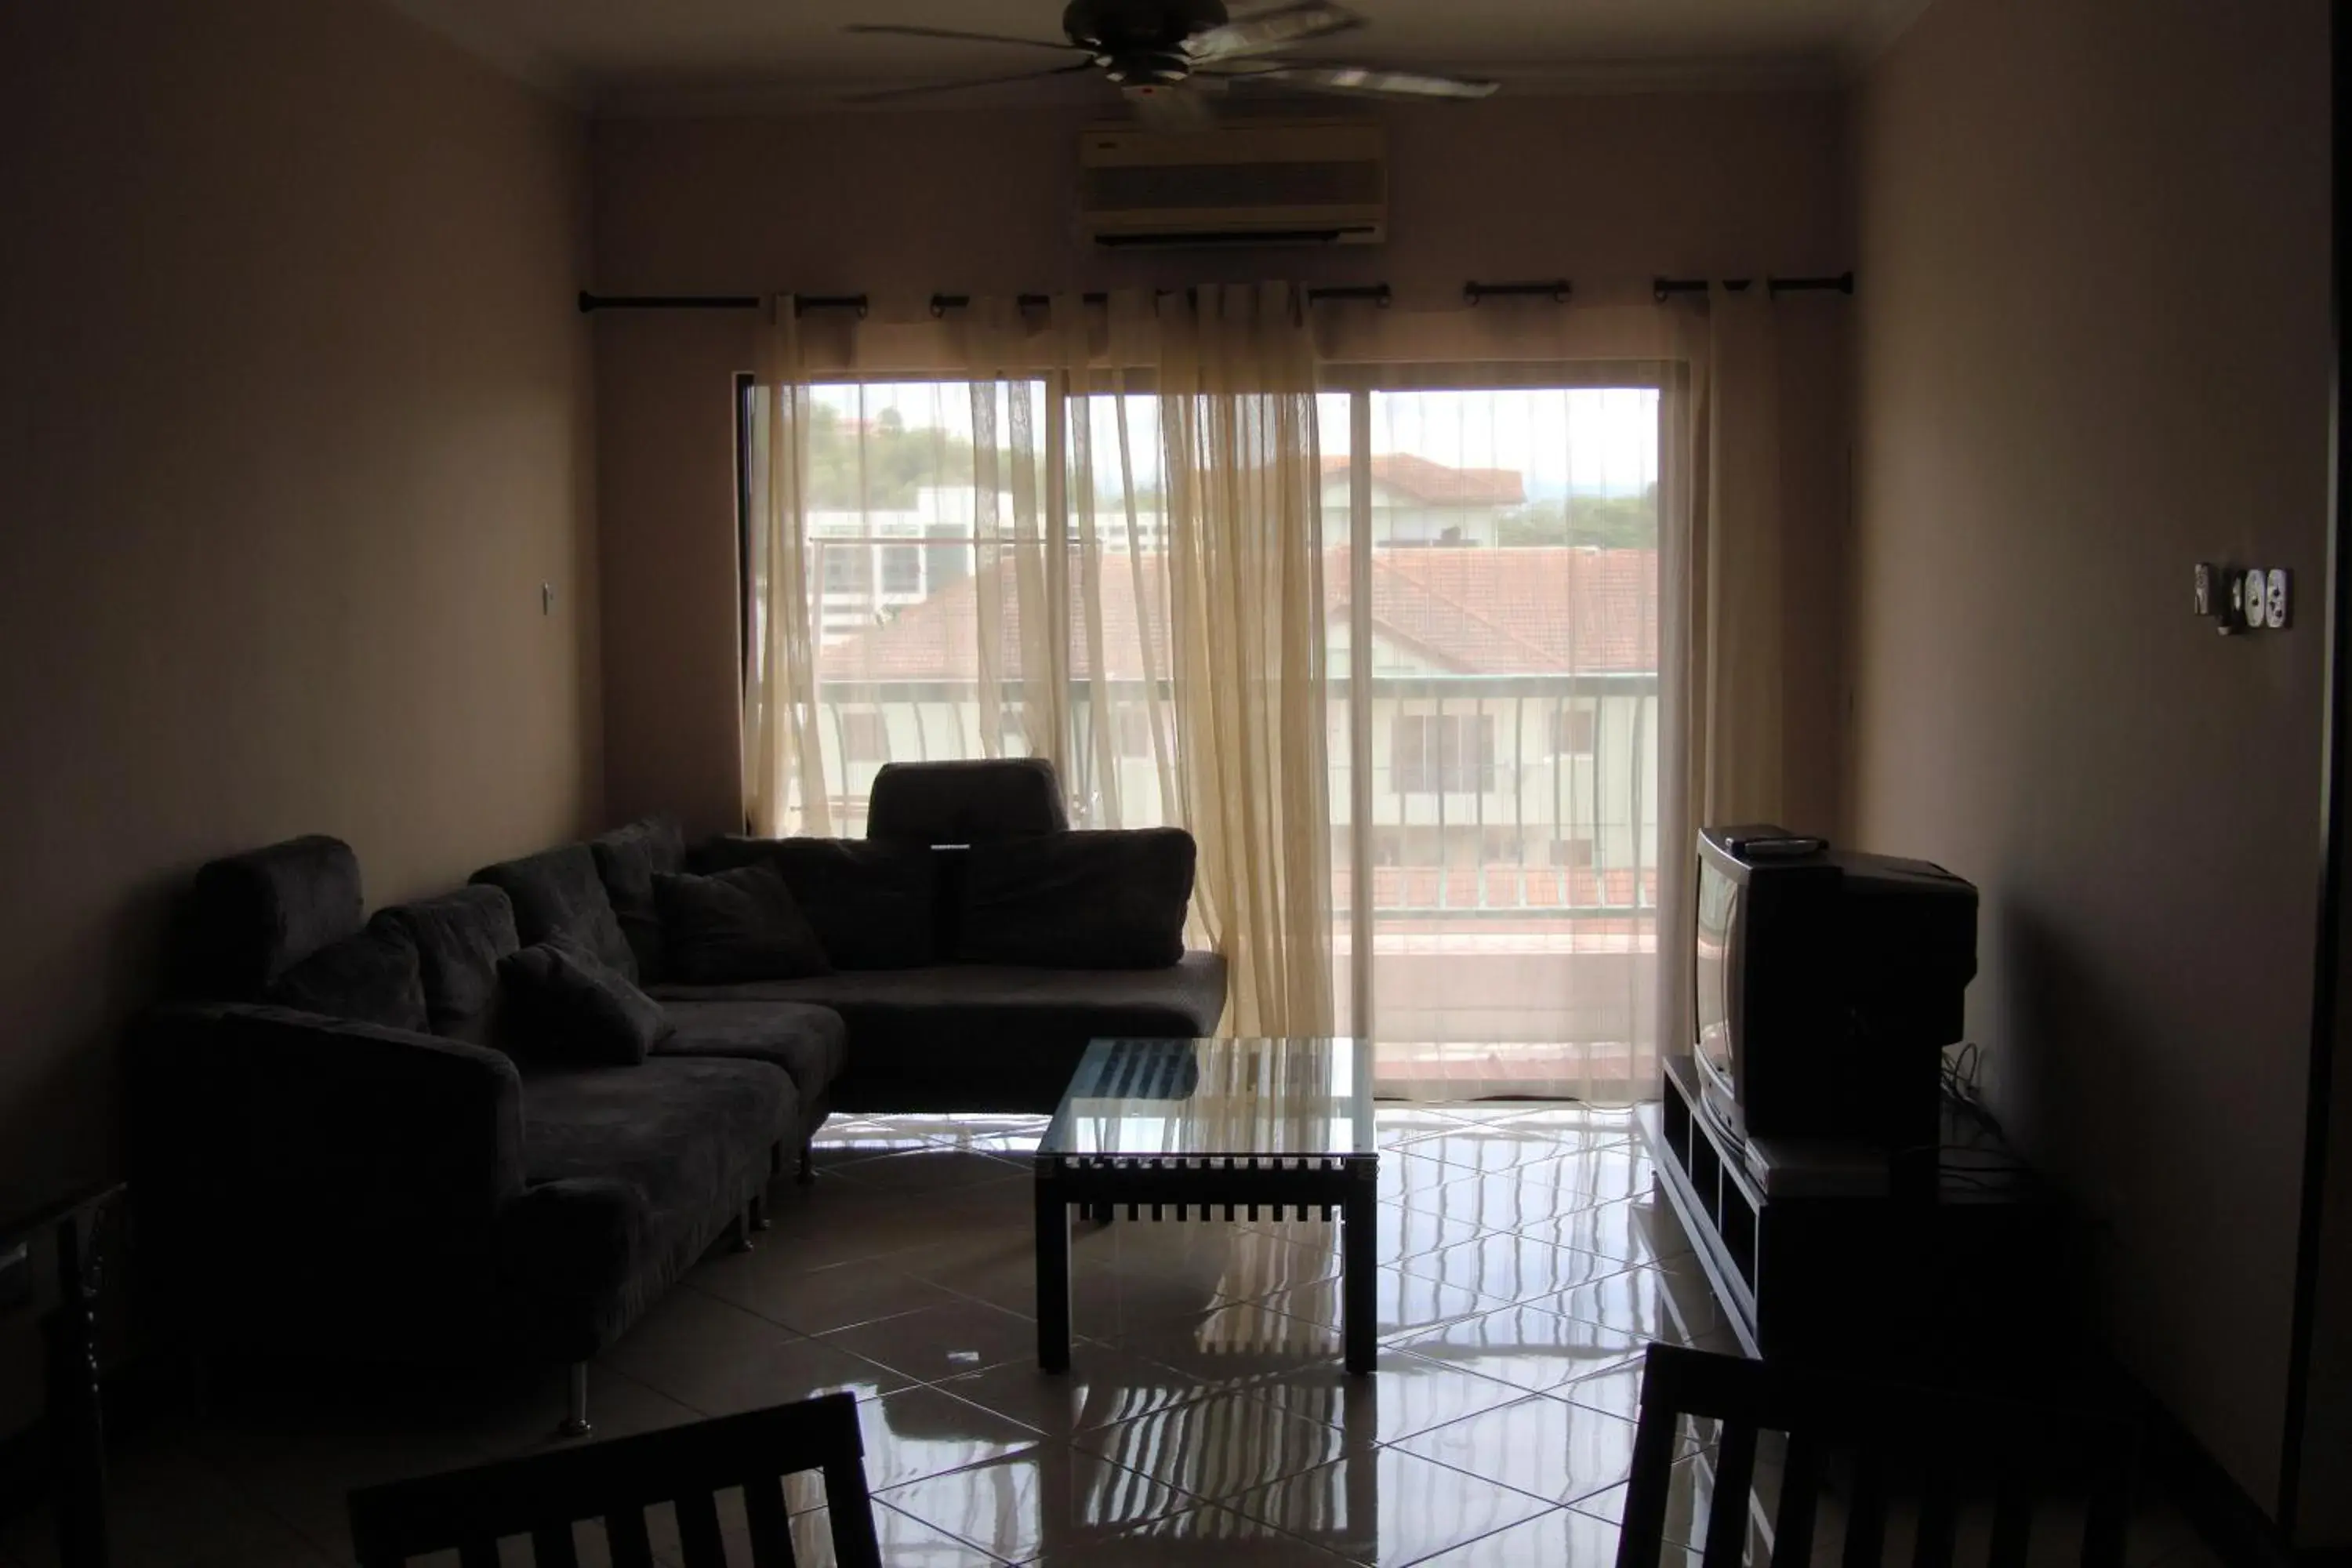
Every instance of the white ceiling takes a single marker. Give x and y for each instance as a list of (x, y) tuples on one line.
[(626, 55)]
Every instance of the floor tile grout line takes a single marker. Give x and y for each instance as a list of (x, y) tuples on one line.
[(1532, 1519)]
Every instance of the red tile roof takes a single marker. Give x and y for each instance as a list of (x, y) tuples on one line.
[(1546, 609), (1436, 484)]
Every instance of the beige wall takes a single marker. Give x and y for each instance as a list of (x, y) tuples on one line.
[(1607, 190), (295, 418), (2092, 350)]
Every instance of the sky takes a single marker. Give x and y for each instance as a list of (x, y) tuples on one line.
[(1580, 441)]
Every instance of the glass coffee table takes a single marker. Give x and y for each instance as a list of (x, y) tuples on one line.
[(1211, 1130)]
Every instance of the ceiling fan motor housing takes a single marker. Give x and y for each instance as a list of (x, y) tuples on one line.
[(1140, 42)]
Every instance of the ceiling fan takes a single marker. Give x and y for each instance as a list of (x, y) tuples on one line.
[(1160, 51)]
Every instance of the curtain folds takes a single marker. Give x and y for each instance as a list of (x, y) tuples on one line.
[(1244, 475), (783, 753)]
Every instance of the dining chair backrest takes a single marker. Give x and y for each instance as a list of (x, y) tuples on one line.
[(1894, 1447), (544, 1496)]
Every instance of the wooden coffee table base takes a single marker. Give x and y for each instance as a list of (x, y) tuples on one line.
[(1207, 1188)]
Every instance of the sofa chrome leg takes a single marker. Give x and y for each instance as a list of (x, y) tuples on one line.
[(744, 1227), (759, 1220), (807, 1176), (575, 1404)]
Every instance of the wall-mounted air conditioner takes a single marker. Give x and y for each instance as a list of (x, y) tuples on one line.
[(1298, 184)]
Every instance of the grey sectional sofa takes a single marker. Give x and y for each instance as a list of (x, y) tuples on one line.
[(337, 1155)]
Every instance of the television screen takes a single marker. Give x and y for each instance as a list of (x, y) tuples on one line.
[(1718, 909)]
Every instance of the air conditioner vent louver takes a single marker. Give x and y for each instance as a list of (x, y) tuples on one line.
[(1180, 186), (1293, 184)]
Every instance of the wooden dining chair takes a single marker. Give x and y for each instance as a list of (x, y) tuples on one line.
[(1892, 1447), (544, 1496)]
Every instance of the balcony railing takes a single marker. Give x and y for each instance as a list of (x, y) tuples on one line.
[(1512, 828)]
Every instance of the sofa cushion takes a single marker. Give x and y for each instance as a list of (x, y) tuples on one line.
[(873, 906), (627, 859), (976, 801), (564, 1004), (982, 1037), (558, 893), (735, 926), (254, 916), (374, 977), (809, 1043), (694, 1135), (461, 937), (1079, 901)]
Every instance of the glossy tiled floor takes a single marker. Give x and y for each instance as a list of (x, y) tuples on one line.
[(1205, 1416)]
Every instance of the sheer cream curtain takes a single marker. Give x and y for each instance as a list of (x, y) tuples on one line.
[(783, 755), (1727, 591), (1243, 475)]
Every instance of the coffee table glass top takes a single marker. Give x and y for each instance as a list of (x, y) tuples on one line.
[(1138, 1098)]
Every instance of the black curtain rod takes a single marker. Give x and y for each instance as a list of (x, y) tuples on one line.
[(1558, 291), (1841, 284), (802, 304), (1378, 293)]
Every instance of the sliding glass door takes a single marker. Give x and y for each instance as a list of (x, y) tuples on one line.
[(1495, 774)]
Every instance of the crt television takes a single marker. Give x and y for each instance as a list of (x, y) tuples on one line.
[(1827, 983)]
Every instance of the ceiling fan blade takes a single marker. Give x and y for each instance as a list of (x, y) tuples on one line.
[(892, 29), (893, 94), (1270, 30), (1368, 81)]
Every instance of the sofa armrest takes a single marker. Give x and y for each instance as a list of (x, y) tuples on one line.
[(567, 1251), (265, 1115)]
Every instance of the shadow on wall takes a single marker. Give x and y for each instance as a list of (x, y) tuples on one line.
[(59, 1113), (2057, 1076)]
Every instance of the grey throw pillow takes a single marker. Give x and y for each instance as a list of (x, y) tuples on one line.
[(564, 1004), (1079, 901), (738, 925), (371, 978)]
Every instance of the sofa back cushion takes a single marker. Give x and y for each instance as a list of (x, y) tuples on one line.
[(254, 916), (627, 860), (374, 977), (873, 906), (565, 1004), (979, 801), (558, 893), (1079, 901), (735, 926), (459, 938)]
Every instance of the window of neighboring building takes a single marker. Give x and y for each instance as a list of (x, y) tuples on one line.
[(1571, 732), (1452, 753), (865, 738), (902, 569), (1576, 854), (845, 566)]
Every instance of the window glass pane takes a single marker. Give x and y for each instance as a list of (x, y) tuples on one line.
[(1513, 707)]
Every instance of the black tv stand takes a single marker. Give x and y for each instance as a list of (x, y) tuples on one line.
[(1819, 1247)]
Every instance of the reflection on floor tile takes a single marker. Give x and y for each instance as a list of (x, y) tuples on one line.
[(1541, 1445), (1386, 1506), (1052, 1497), (1530, 1347), (1523, 1264)]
